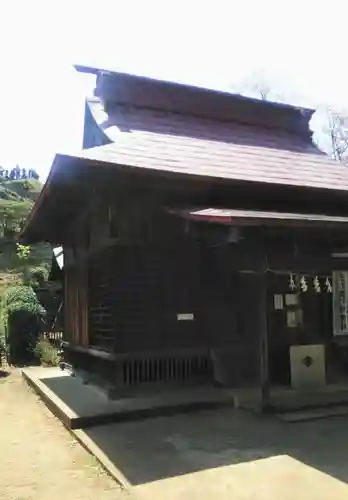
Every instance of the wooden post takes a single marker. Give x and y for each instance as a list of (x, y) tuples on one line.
[(68, 298), (263, 343)]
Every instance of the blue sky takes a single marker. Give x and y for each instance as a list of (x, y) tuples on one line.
[(218, 44)]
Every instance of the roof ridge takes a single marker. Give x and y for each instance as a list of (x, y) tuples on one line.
[(199, 88)]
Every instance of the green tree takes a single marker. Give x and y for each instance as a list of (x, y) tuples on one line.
[(18, 263)]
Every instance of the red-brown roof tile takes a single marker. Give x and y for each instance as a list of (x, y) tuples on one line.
[(161, 141), (144, 92)]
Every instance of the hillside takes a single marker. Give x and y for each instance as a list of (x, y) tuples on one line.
[(19, 189), (17, 197)]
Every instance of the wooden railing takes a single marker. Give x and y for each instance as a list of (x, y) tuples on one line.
[(147, 368), (55, 338), (167, 369)]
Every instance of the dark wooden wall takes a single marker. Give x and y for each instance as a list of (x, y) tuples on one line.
[(153, 266), (151, 269), (135, 294), (144, 266)]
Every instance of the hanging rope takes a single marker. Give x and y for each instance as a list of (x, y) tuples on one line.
[(294, 277)]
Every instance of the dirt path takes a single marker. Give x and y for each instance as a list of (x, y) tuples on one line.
[(39, 459)]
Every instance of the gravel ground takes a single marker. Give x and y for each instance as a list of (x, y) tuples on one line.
[(39, 459)]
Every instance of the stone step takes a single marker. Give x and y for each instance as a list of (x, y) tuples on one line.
[(313, 414), (79, 405)]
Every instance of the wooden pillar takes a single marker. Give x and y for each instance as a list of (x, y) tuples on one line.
[(262, 314), (67, 326), (68, 297), (83, 303)]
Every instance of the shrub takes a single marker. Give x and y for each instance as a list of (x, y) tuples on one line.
[(2, 349), (47, 353), (35, 276), (39, 274), (22, 319)]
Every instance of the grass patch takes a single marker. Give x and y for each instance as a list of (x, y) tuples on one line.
[(47, 353)]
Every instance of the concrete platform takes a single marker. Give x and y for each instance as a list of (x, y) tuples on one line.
[(228, 453), (314, 414), (273, 478), (286, 399), (225, 454), (79, 405)]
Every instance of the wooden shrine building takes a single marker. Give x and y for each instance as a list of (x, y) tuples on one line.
[(205, 240)]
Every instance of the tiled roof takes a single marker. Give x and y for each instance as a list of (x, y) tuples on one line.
[(169, 142), (139, 91)]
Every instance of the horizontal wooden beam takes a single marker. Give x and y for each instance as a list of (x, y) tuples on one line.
[(110, 356), (90, 351)]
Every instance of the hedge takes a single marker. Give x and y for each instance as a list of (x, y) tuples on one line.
[(22, 318)]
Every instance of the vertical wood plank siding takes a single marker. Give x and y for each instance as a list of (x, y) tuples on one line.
[(76, 305)]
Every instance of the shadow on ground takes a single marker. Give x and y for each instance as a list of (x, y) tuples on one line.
[(165, 447)]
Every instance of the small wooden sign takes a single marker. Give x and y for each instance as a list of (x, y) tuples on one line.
[(291, 299), (185, 316), (291, 320), (278, 301)]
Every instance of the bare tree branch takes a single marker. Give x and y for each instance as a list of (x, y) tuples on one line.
[(331, 134)]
